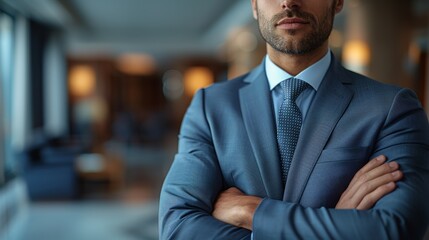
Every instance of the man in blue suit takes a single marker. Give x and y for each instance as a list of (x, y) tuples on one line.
[(228, 180)]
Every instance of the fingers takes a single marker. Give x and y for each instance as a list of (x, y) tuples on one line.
[(364, 181), (369, 200), (372, 164), (370, 184), (370, 192)]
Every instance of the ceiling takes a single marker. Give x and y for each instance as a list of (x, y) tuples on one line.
[(158, 27), (161, 28)]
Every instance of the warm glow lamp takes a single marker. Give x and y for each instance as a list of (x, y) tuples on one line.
[(82, 80), (136, 64), (196, 78), (357, 56)]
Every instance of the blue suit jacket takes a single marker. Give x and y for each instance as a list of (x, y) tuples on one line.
[(228, 138)]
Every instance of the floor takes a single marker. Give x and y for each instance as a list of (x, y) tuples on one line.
[(91, 220), (128, 213)]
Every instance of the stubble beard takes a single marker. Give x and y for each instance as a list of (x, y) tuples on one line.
[(310, 42)]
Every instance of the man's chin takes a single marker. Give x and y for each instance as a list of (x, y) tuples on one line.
[(293, 50)]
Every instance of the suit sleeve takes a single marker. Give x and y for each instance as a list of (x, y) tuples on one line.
[(193, 183), (402, 214)]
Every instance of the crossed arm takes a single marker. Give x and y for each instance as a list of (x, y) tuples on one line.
[(194, 206), (371, 182)]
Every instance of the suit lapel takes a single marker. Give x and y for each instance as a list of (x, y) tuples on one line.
[(257, 111), (328, 106)]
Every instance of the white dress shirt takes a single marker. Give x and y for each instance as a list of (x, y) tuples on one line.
[(313, 75)]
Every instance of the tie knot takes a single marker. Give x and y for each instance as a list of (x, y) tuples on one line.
[(292, 87)]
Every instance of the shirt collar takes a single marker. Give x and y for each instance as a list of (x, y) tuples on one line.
[(313, 75)]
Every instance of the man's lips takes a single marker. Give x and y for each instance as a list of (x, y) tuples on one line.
[(291, 23)]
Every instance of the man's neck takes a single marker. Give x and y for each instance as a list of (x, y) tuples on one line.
[(296, 63)]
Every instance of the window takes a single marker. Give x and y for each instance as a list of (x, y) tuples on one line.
[(6, 67)]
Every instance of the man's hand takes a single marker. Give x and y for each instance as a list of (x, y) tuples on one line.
[(370, 184), (236, 208)]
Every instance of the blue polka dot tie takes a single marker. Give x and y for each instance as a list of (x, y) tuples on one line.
[(289, 122)]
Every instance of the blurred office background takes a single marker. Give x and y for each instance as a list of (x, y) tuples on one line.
[(92, 93)]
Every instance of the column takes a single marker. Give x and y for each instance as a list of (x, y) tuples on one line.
[(385, 30)]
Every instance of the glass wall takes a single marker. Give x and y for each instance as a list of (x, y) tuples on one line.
[(6, 66)]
